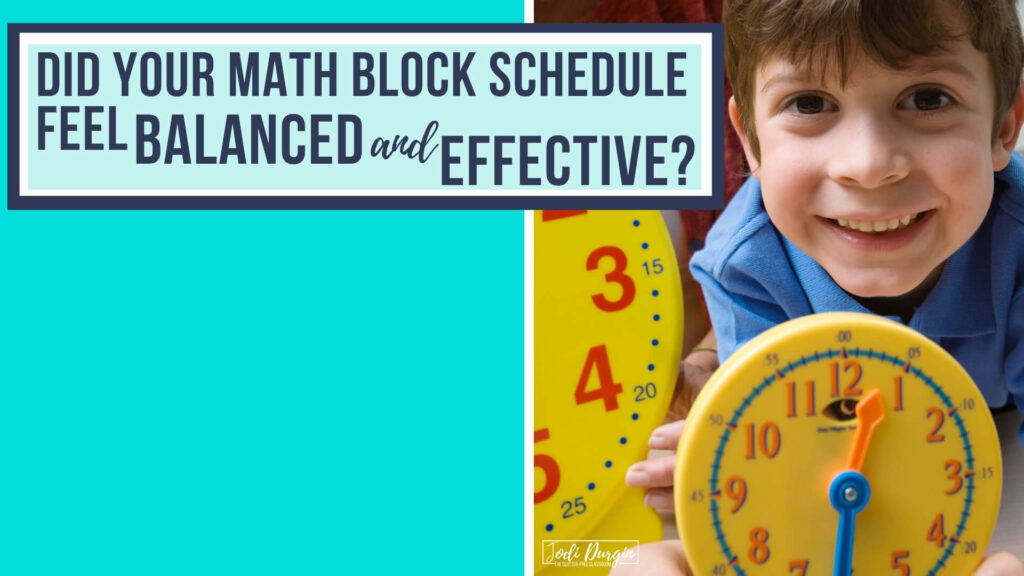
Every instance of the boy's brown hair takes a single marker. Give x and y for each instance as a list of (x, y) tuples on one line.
[(824, 34)]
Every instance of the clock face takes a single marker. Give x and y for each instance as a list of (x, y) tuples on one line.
[(607, 337), (851, 404)]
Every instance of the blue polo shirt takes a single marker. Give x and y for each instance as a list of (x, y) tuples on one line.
[(753, 278)]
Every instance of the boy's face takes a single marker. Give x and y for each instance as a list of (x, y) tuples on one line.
[(880, 180)]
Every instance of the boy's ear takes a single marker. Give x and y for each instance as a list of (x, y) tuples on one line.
[(1009, 130), (737, 124)]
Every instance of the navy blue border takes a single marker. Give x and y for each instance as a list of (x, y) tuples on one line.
[(506, 202)]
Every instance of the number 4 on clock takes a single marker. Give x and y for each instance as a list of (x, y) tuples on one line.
[(608, 389)]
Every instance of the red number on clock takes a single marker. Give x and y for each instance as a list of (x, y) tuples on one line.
[(852, 388), (936, 533), (616, 276), (736, 490), (549, 215), (608, 389), (791, 410), (759, 551), (935, 435), (552, 476), (768, 442), (953, 467), (899, 558)]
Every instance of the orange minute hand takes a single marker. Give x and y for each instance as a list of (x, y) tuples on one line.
[(870, 412)]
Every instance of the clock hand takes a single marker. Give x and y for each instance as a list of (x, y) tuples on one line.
[(869, 413), (849, 491)]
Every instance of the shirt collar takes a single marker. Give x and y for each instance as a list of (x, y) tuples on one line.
[(952, 309)]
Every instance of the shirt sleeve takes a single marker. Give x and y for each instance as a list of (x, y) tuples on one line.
[(737, 313), (747, 280)]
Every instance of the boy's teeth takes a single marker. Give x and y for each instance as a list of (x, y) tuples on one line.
[(877, 225)]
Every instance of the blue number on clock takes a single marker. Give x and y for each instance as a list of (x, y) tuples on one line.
[(654, 267), (574, 507), (645, 392)]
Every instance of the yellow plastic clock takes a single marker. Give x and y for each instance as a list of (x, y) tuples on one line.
[(836, 442), (607, 336)]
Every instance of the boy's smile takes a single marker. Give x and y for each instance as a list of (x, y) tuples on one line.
[(878, 225), (882, 177)]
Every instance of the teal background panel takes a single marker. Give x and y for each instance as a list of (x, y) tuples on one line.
[(261, 392)]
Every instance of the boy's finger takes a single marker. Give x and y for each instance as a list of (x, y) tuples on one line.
[(659, 498), (1001, 564), (666, 436), (653, 473)]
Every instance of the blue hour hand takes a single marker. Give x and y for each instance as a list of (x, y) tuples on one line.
[(849, 494)]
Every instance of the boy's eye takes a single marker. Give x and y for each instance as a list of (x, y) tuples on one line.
[(808, 104), (927, 100)]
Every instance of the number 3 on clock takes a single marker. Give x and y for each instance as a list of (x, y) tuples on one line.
[(616, 276)]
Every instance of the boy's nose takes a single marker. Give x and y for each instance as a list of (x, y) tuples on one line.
[(868, 154)]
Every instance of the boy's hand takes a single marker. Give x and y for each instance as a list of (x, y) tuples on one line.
[(1000, 564), (694, 372), (655, 474)]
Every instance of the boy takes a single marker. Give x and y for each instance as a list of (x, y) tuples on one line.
[(875, 155), (880, 139)]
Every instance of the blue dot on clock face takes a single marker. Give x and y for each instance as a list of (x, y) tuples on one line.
[(591, 486), (644, 245), (657, 317), (654, 293), (654, 342), (622, 440), (650, 367), (549, 527), (635, 416), (636, 223), (608, 464)]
